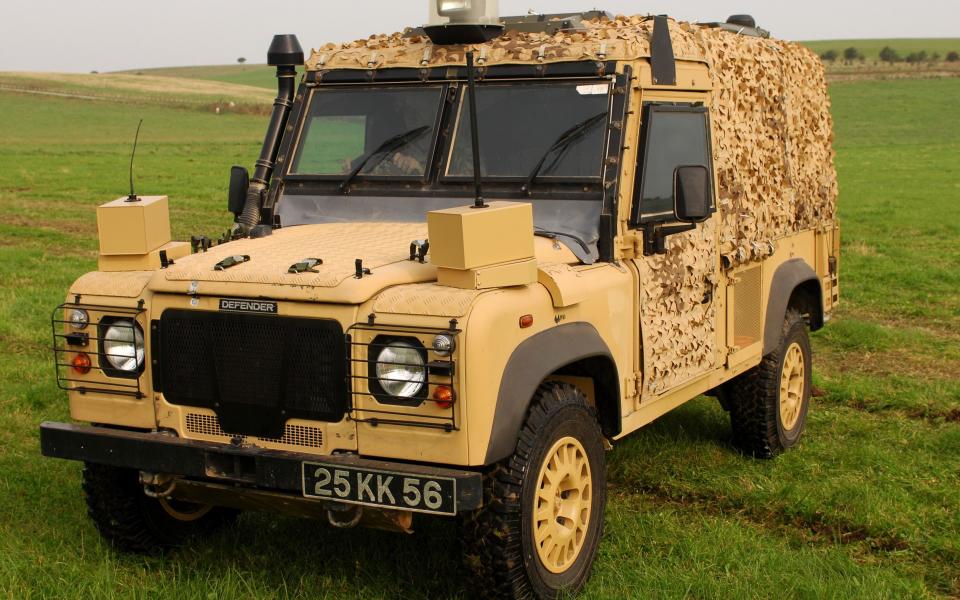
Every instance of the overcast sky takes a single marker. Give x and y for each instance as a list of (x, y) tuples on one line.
[(105, 35)]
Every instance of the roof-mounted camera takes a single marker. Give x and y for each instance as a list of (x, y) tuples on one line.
[(463, 21)]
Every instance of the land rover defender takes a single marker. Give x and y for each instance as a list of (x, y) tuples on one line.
[(471, 257)]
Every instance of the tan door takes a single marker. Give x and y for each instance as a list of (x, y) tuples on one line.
[(678, 281)]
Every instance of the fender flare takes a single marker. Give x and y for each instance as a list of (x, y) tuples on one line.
[(529, 364), (788, 277)]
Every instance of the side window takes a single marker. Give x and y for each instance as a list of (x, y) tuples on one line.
[(673, 136)]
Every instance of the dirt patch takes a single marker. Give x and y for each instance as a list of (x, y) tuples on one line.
[(888, 362), (860, 248), (817, 528), (71, 227)]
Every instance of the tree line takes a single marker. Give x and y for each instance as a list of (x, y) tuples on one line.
[(888, 55)]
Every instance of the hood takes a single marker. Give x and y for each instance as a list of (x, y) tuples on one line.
[(384, 249)]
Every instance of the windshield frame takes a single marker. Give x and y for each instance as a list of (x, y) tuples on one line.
[(459, 119), (301, 128), (433, 183)]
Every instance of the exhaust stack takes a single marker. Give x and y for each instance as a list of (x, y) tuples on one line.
[(286, 55)]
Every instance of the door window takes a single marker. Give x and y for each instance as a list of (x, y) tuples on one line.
[(673, 136)]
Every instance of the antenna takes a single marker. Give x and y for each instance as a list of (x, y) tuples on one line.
[(133, 195), (475, 133)]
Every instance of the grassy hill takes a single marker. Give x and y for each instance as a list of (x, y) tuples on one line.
[(256, 75), (867, 506), (263, 76), (181, 92)]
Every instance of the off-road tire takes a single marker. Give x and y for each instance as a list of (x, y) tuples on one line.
[(753, 398), (499, 551), (131, 521)]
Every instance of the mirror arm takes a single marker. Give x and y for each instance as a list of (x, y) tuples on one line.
[(655, 236)]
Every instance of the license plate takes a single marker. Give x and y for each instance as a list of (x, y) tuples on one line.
[(386, 489)]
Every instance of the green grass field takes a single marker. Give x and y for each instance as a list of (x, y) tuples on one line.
[(904, 46), (868, 505)]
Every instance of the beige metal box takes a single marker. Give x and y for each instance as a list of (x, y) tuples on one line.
[(133, 227), (468, 238)]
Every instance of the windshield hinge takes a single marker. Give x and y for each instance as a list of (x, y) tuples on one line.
[(631, 244)]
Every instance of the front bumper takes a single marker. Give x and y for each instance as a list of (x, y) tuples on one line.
[(251, 467)]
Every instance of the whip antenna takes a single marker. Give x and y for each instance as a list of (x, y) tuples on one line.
[(133, 195)]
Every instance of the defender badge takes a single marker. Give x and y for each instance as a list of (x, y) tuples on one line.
[(249, 306)]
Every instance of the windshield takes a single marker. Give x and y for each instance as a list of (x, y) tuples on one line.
[(526, 126), (388, 133), (393, 152)]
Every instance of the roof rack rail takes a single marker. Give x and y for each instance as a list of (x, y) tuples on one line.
[(540, 23), (552, 23)]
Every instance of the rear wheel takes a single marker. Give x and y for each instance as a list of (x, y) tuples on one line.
[(768, 404), (539, 530), (131, 521)]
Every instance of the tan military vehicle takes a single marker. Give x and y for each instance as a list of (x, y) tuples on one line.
[(471, 258)]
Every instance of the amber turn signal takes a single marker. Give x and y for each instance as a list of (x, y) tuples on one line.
[(81, 363), (526, 321), (443, 394)]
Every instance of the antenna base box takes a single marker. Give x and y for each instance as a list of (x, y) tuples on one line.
[(143, 262), (469, 238), (133, 228)]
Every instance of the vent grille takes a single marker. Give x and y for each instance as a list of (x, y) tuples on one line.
[(294, 435), (747, 307)]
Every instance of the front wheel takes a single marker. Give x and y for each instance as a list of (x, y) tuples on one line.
[(131, 521), (539, 530)]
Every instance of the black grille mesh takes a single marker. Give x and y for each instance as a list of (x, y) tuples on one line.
[(254, 371)]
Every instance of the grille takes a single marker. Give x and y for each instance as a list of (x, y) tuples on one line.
[(293, 435), (253, 371)]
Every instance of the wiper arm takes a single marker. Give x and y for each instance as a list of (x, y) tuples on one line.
[(566, 139), (387, 148), (541, 232)]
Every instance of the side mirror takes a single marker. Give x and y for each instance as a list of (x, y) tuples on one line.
[(239, 183), (691, 191)]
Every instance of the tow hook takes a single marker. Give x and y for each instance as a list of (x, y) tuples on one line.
[(157, 485), (346, 517)]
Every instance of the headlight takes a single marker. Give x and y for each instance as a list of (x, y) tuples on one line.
[(122, 345), (401, 370)]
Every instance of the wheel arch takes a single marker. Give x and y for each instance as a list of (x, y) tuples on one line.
[(794, 285), (573, 349)]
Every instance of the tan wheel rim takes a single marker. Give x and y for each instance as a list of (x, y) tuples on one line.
[(561, 509), (792, 382), (184, 511)]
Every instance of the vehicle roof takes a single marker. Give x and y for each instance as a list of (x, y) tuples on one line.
[(603, 38)]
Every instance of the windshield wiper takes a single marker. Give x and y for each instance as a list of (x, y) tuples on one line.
[(545, 233), (387, 148), (566, 139)]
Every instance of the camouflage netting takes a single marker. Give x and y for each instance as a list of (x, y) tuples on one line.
[(772, 125), (772, 144)]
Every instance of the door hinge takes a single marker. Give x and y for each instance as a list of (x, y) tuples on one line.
[(633, 386)]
